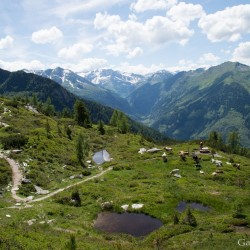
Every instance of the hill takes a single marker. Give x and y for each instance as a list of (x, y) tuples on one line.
[(72, 196), (190, 104), (24, 84)]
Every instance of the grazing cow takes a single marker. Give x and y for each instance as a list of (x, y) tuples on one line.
[(168, 149), (164, 157), (217, 162), (182, 155), (196, 158), (236, 165)]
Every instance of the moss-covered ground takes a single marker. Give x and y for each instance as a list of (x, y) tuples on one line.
[(49, 160)]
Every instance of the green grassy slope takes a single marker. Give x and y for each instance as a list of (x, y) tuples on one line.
[(135, 178)]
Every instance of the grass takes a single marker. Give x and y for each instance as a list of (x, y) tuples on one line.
[(135, 179)]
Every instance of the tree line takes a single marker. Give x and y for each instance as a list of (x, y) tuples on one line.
[(231, 145)]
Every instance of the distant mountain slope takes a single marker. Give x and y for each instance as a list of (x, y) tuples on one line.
[(191, 104), (82, 87), (121, 83), (20, 83)]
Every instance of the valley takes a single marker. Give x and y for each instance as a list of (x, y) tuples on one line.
[(78, 193), (184, 105)]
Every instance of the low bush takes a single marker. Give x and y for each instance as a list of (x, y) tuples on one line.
[(14, 141)]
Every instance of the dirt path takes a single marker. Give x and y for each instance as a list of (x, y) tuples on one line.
[(72, 185), (17, 179)]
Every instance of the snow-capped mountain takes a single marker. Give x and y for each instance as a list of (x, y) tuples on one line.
[(121, 83), (82, 87)]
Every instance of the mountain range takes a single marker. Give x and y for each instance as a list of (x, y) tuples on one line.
[(21, 83), (191, 104), (183, 105)]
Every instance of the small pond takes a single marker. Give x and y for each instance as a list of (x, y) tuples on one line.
[(101, 156), (129, 223), (182, 205)]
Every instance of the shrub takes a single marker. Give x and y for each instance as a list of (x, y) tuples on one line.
[(189, 218), (86, 172), (14, 141)]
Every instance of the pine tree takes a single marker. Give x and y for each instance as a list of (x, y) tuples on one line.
[(75, 197), (123, 124), (81, 114), (82, 148), (114, 118), (48, 129), (190, 219), (234, 142), (68, 131), (101, 127), (71, 245)]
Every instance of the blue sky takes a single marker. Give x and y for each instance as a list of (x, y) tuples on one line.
[(138, 36)]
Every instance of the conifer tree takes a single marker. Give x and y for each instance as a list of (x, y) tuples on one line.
[(82, 148), (81, 114), (48, 129), (234, 142), (189, 218), (101, 127)]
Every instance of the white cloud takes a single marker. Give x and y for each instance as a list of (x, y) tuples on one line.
[(209, 58), (67, 8), (229, 24), (84, 65), (6, 42), (242, 53), (185, 12), (135, 52), (20, 65), (47, 35), (139, 68), (144, 5), (75, 51), (129, 34), (163, 30)]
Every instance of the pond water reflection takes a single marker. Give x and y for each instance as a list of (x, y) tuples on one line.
[(182, 205), (129, 223)]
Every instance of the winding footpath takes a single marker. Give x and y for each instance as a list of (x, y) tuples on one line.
[(17, 180), (72, 185)]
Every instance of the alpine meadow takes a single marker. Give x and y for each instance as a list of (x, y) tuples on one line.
[(124, 125)]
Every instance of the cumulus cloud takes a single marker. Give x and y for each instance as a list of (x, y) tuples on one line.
[(185, 12), (20, 65), (229, 24), (242, 53), (140, 68), (209, 58), (75, 51), (135, 52), (145, 5), (129, 34), (6, 42), (47, 35)]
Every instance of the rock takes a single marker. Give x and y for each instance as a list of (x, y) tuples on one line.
[(142, 150), (107, 205), (137, 206), (177, 175), (153, 150), (125, 207), (175, 171)]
